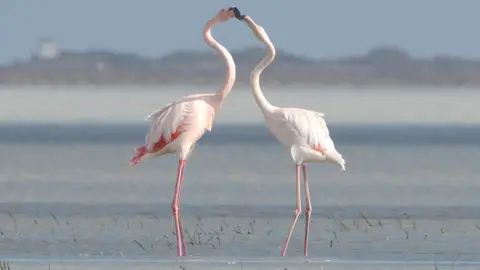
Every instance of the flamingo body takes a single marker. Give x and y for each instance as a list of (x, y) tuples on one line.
[(303, 131), (306, 133), (179, 125)]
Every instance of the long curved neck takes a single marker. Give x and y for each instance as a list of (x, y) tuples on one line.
[(231, 69), (262, 102)]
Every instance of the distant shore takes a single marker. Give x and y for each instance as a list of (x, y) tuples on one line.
[(385, 65)]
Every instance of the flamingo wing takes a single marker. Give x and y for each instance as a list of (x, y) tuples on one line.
[(158, 112), (166, 125), (309, 128), (187, 114)]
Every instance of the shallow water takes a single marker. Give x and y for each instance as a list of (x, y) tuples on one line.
[(410, 194), (231, 263)]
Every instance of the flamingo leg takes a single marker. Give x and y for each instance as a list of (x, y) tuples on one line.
[(181, 227), (296, 213), (181, 249), (308, 210)]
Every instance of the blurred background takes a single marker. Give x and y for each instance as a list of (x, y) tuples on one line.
[(422, 55), (397, 81)]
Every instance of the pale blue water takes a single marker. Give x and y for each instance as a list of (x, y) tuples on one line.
[(67, 192)]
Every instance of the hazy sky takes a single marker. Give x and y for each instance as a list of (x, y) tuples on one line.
[(317, 28)]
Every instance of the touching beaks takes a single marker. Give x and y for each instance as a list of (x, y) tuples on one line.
[(237, 13)]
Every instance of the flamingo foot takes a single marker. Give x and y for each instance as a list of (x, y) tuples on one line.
[(184, 247)]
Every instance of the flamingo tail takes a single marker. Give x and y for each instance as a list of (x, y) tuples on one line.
[(336, 157), (141, 151)]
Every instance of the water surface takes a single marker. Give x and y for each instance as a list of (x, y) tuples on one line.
[(410, 194)]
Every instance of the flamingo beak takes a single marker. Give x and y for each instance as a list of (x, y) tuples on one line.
[(237, 13)]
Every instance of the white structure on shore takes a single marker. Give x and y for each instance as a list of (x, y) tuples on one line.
[(48, 49)]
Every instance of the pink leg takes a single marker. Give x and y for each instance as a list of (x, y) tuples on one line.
[(181, 250), (308, 210), (297, 212), (181, 227)]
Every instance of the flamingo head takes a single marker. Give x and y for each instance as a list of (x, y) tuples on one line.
[(225, 14)]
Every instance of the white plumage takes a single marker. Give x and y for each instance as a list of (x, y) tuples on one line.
[(304, 132)]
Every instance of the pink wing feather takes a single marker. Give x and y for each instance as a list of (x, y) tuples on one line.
[(191, 114), (166, 127), (165, 123)]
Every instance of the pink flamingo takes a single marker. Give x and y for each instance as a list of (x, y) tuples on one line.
[(178, 126), (303, 131)]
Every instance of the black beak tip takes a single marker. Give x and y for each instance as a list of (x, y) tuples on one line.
[(237, 13)]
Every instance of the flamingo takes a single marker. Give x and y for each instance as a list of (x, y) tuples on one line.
[(304, 132), (180, 124)]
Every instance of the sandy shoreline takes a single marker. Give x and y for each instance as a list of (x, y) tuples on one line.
[(342, 105)]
